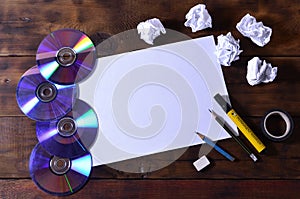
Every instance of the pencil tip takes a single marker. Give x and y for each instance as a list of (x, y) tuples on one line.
[(200, 135)]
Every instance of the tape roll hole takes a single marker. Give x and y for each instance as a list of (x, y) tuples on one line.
[(277, 124)]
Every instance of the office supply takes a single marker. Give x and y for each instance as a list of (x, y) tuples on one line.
[(66, 56), (56, 175), (147, 100), (228, 130), (212, 144), (71, 135), (275, 135), (41, 100), (201, 163), (247, 132)]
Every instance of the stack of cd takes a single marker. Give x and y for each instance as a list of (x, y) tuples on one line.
[(66, 127)]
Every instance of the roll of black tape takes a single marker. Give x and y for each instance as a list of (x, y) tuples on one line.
[(277, 136)]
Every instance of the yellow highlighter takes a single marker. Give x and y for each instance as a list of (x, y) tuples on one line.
[(247, 132)]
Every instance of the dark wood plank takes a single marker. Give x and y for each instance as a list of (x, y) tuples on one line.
[(25, 24), (11, 70), (288, 70), (17, 139), (280, 161), (248, 100), (267, 168), (163, 189), (282, 93), (255, 101)]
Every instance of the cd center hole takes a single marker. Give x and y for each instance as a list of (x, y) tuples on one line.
[(68, 126), (47, 92), (67, 56), (61, 164), (275, 124)]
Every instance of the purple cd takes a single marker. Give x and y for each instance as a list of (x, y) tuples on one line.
[(71, 135), (66, 56), (41, 100), (56, 175)]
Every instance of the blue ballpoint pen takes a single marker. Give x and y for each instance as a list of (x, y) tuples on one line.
[(216, 147)]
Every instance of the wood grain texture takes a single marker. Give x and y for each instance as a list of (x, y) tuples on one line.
[(280, 161), (162, 189), (25, 23)]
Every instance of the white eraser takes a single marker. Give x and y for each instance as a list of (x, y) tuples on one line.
[(201, 163)]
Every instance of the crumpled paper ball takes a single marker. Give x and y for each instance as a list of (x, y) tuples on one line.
[(256, 31), (228, 49), (260, 71), (150, 29), (198, 18)]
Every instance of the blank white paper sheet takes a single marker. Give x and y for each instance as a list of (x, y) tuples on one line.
[(153, 100)]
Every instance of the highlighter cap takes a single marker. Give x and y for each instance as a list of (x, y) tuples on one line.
[(221, 101)]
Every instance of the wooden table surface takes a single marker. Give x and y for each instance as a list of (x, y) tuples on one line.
[(24, 24)]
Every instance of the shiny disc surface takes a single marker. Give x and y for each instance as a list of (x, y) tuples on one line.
[(66, 56), (59, 176), (71, 135), (41, 100)]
